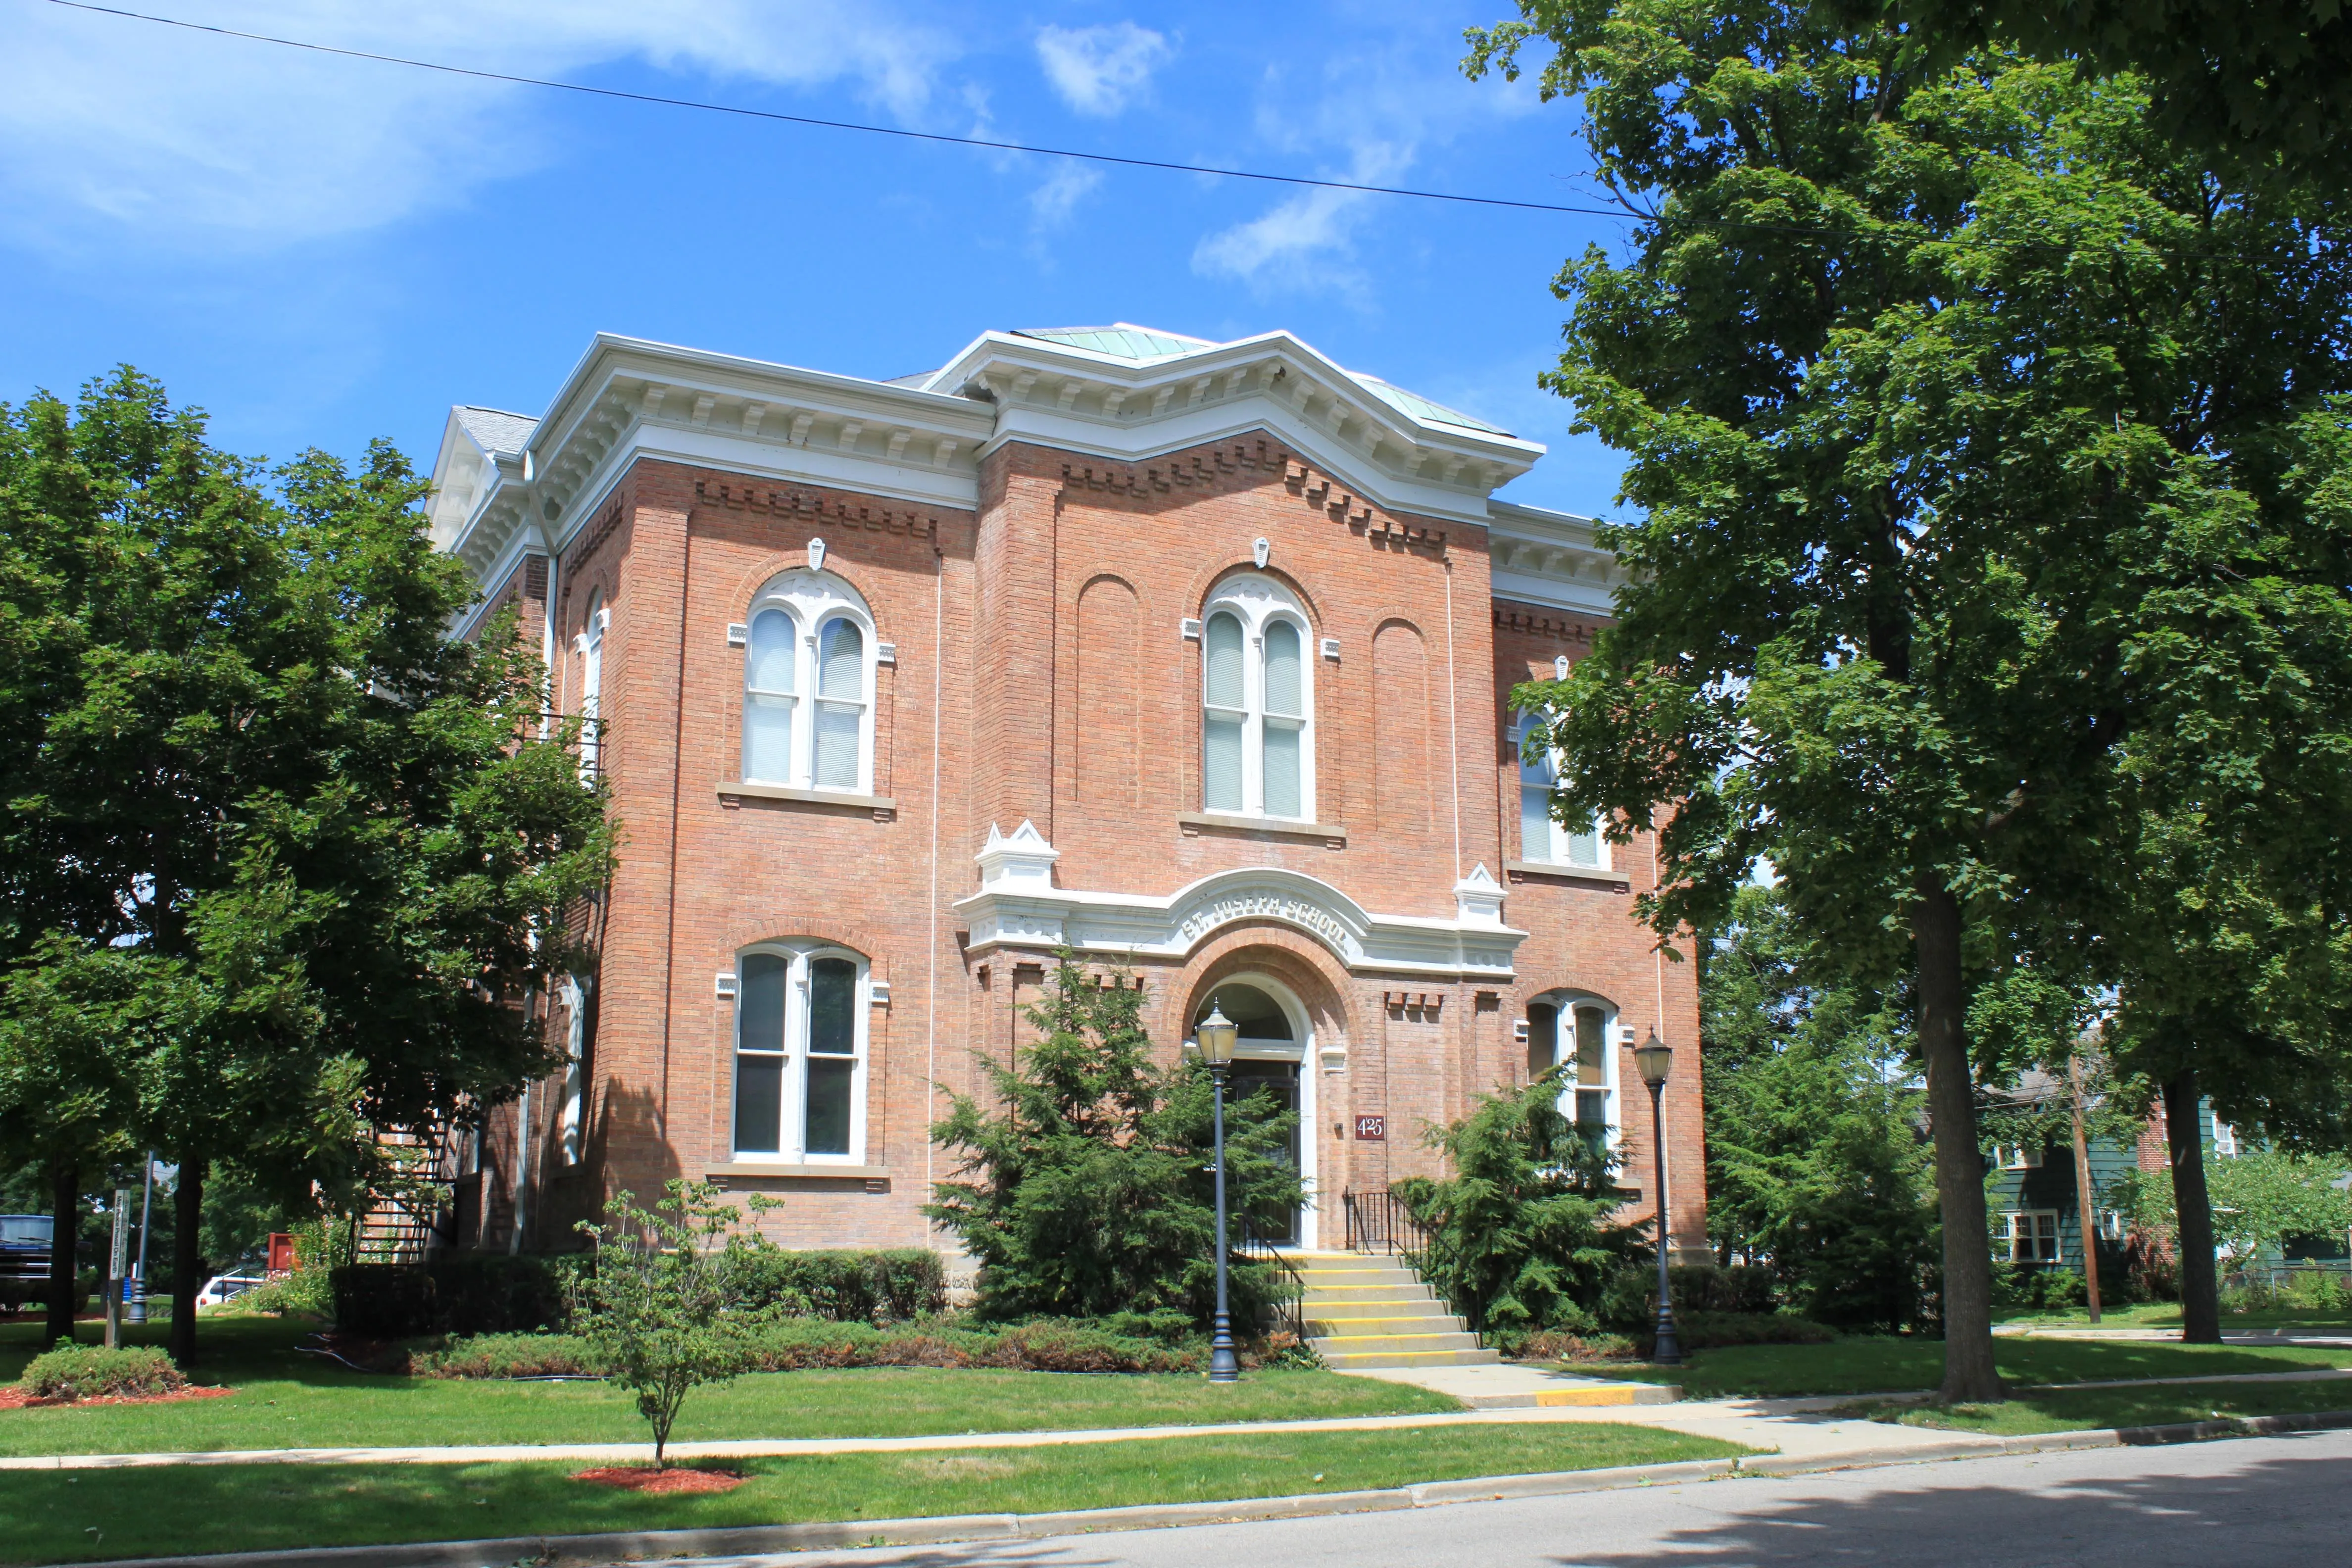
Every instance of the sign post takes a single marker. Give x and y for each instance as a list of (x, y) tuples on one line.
[(115, 1262)]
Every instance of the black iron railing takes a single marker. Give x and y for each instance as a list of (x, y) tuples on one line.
[(1288, 1310), (1379, 1222)]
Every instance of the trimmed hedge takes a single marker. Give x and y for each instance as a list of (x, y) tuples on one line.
[(895, 1285), (799, 1343), (93, 1371), (466, 1293), (1711, 1331)]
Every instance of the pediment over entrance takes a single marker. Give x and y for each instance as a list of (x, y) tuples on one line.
[(1475, 944)]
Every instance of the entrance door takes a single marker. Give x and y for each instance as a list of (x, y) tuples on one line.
[(1267, 1056)]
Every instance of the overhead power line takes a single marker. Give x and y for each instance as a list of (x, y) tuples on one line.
[(981, 142)]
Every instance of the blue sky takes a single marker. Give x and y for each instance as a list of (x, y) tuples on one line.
[(321, 250)]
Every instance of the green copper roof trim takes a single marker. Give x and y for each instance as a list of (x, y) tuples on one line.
[(1421, 408), (1123, 341)]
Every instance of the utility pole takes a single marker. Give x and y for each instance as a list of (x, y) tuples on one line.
[(2083, 1196)]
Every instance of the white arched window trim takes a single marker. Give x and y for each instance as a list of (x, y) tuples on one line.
[(808, 717), (591, 646), (570, 1124), (781, 1068), (1610, 1102), (1544, 840), (1258, 701)]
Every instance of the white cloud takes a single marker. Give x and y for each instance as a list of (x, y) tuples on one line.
[(1101, 70), (1051, 203), (221, 142), (1307, 240)]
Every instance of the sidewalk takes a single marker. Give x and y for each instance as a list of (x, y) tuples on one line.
[(2327, 1337)]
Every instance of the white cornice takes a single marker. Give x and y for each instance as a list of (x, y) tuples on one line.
[(1552, 558), (1029, 913), (628, 398)]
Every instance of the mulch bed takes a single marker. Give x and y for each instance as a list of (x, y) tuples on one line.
[(17, 1399), (676, 1478)]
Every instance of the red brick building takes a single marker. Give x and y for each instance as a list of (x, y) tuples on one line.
[(1192, 657)]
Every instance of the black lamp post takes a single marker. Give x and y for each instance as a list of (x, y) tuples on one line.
[(1216, 1034), (1655, 1058)]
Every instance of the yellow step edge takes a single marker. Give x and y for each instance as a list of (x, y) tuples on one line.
[(1550, 1397)]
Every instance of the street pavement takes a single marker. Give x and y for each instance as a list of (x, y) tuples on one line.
[(2244, 1501)]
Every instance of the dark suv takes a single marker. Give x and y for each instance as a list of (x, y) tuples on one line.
[(24, 1245)]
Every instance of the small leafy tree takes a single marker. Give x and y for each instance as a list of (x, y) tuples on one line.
[(2262, 1198), (660, 1308), (1518, 1238), (1089, 1195)]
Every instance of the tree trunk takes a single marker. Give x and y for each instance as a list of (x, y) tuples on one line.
[(65, 1212), (1969, 1376), (2200, 1291), (187, 1261)]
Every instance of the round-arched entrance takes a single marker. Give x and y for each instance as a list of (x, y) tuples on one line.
[(1273, 1039)]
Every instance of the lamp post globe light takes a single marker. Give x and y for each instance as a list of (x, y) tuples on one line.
[(1655, 1058), (1215, 1035)]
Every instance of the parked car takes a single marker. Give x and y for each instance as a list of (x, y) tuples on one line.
[(223, 1287), (24, 1245)]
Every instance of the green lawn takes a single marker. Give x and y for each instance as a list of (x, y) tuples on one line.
[(2167, 1315), (2080, 1409), (287, 1400), (1900, 1366), (57, 1517)]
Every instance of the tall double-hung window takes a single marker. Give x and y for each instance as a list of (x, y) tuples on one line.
[(590, 645), (1257, 703), (1576, 1034), (799, 1055), (808, 686), (1544, 840)]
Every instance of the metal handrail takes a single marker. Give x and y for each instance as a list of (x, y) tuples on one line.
[(1380, 1222), (1290, 1310)]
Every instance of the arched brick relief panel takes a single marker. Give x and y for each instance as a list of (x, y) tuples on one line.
[(792, 926), (1107, 739), (1401, 787)]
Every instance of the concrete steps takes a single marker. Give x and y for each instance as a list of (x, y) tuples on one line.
[(1373, 1311)]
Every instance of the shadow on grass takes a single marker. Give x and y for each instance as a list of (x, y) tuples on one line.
[(1891, 1365)]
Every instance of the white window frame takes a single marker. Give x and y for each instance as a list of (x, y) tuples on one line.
[(814, 600), (1257, 602), (590, 644), (2021, 1156), (2008, 1238), (793, 1112), (2225, 1139), (1558, 847), (1566, 1003), (569, 1122)]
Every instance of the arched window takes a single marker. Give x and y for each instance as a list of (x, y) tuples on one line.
[(1257, 703), (808, 686), (1577, 1034), (799, 1055), (591, 644), (1544, 840)]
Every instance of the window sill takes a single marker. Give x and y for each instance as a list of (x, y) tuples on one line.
[(776, 1169), (1617, 879), (1194, 822), (881, 805)]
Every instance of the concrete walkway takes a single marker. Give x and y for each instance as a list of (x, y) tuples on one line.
[(1519, 1386), (2317, 1337)]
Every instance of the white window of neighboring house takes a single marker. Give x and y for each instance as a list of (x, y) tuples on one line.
[(591, 644), (808, 686), (568, 1124), (2026, 1236), (2225, 1139), (799, 1055), (2111, 1225), (1545, 841), (2020, 1156), (1578, 1033), (1257, 703)]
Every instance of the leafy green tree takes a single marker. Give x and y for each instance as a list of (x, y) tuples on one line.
[(236, 741), (1519, 1234), (659, 1308), (1089, 1194), (2262, 1199), (1817, 1164), (1954, 404), (2268, 83)]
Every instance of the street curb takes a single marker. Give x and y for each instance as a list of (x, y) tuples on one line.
[(747, 1540)]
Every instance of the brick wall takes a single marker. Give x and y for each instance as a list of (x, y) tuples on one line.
[(1041, 675)]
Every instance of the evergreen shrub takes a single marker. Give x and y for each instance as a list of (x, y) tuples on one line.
[(2037, 1287), (893, 1284)]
